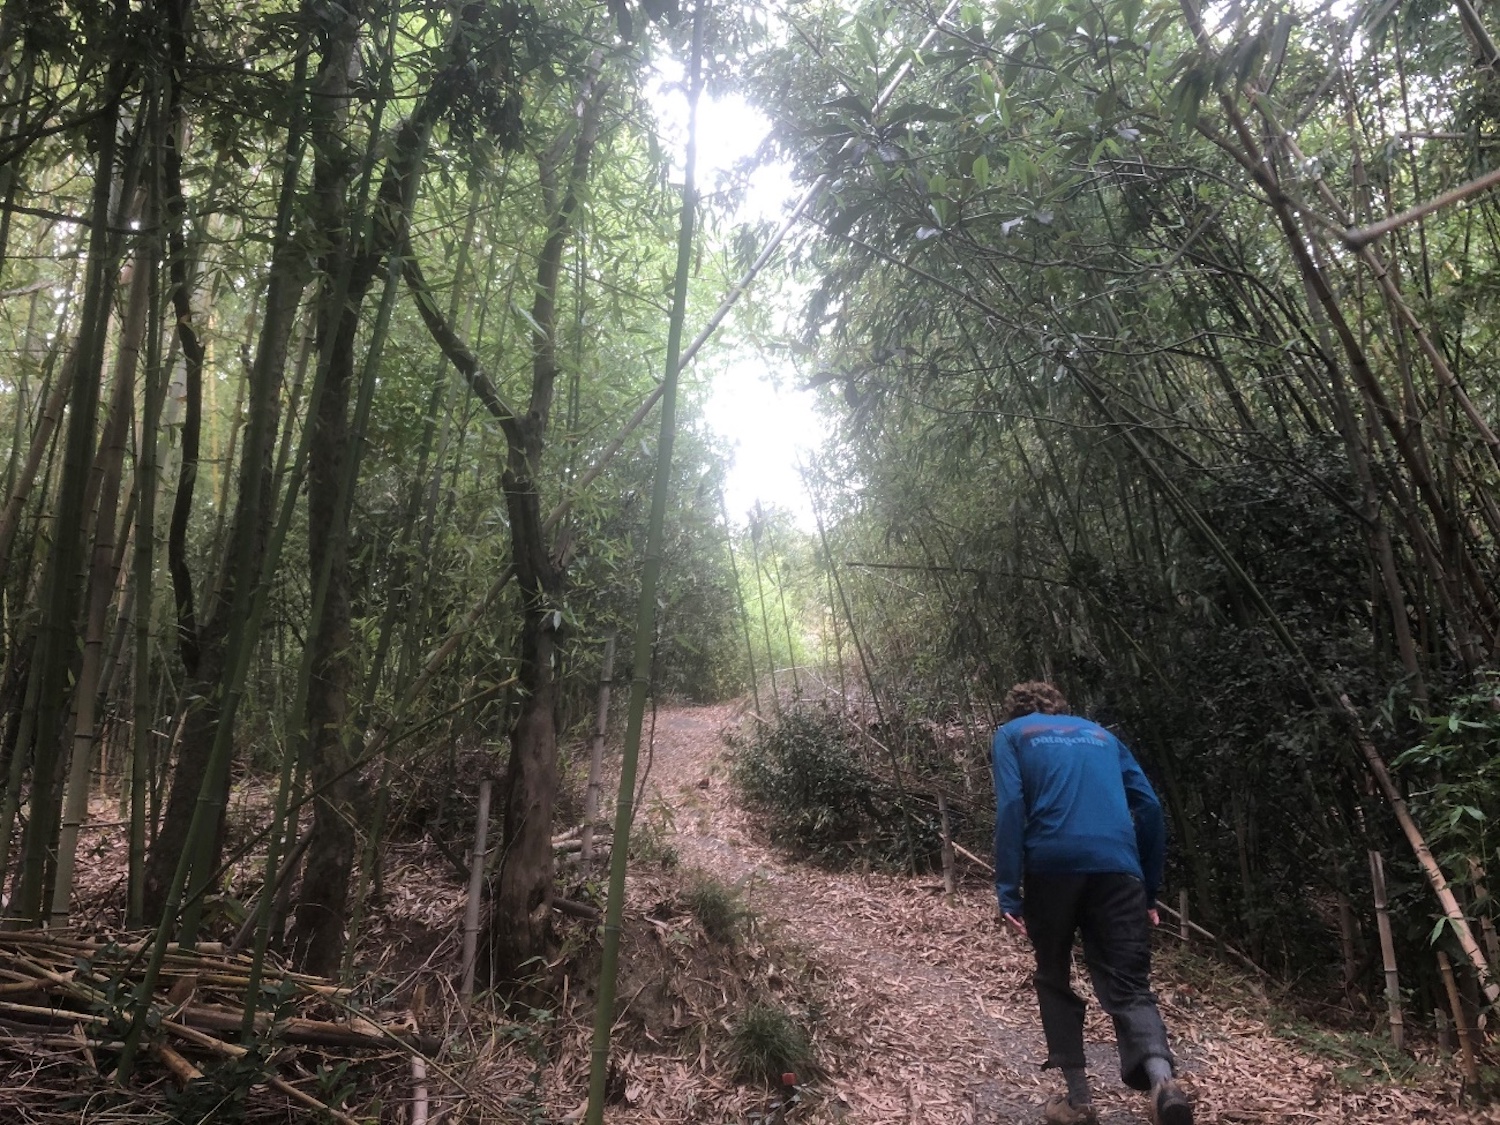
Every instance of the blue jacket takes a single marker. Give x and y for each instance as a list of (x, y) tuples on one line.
[(1070, 799)]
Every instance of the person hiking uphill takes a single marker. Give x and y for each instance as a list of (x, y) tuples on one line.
[(1079, 846)]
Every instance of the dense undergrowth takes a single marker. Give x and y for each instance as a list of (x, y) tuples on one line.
[(831, 791)]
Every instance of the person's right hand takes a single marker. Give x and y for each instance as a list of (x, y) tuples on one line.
[(1018, 922)]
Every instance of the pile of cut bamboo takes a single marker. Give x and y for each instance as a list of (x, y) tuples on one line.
[(68, 993)]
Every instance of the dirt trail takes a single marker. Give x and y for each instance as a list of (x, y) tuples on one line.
[(931, 1017)]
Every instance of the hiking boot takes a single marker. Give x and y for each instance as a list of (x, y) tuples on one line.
[(1060, 1111), (1170, 1105)]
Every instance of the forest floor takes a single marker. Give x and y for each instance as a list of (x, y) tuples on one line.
[(928, 1013), (918, 1003)]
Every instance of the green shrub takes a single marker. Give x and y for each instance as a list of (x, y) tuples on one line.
[(817, 795), (717, 908), (766, 1042), (651, 837)]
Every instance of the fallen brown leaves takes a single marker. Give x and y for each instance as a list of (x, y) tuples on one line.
[(928, 1010), (919, 1004)]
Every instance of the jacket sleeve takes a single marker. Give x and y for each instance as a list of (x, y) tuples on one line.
[(1010, 824), (1150, 824)]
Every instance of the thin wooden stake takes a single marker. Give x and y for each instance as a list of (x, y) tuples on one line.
[(596, 754), (948, 881), (1387, 950), (1182, 917), (476, 889)]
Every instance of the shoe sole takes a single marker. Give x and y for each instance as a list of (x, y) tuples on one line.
[(1176, 1113)]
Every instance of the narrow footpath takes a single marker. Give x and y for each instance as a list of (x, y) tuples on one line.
[(930, 1015)]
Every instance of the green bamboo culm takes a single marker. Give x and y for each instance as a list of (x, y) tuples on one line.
[(739, 597), (146, 474), (645, 625)]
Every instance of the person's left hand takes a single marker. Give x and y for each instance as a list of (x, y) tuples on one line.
[(1154, 915), (1018, 922)]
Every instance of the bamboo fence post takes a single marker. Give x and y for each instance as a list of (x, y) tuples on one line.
[(596, 754), (1460, 1023), (1182, 917), (476, 887), (1387, 950), (949, 884)]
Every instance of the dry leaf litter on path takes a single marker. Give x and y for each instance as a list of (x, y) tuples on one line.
[(929, 1015)]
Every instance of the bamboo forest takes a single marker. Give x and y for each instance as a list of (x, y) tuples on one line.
[(419, 701)]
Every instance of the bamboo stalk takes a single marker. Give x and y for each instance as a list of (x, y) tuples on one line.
[(144, 488), (476, 890), (233, 1051), (1357, 238), (1451, 910), (1238, 954), (181, 1069), (949, 883), (1387, 950), (418, 1090), (646, 606), (739, 598), (1460, 1022), (108, 468), (596, 753)]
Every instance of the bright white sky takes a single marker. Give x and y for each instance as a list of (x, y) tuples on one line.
[(753, 404)]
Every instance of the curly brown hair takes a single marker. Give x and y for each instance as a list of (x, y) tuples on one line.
[(1033, 697)]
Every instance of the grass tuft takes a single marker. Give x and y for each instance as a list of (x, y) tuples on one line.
[(717, 908), (767, 1042)]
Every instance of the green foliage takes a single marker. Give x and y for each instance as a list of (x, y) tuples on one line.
[(766, 1042), (1356, 1060), (651, 836), (1096, 422), (1454, 779), (221, 1094), (803, 774), (719, 910)]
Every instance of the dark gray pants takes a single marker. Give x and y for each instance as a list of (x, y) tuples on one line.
[(1110, 910)]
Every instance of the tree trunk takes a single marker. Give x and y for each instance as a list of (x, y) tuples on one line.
[(523, 894), (101, 587), (317, 936), (58, 627), (202, 645)]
